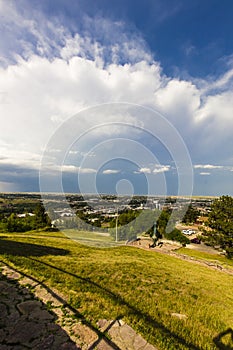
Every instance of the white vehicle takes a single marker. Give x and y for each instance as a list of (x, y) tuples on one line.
[(191, 231), (188, 232)]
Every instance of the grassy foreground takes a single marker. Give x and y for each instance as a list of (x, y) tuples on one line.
[(142, 287)]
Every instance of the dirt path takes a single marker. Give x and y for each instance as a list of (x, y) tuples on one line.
[(209, 264), (170, 249)]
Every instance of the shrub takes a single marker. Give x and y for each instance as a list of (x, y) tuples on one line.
[(177, 235)]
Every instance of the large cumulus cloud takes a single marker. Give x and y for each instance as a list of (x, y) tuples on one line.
[(54, 73)]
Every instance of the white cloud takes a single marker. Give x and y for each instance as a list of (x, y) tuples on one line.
[(161, 169), (221, 83), (56, 74), (178, 97), (38, 89), (86, 170), (77, 170), (145, 170), (111, 171), (158, 169), (208, 166), (25, 159), (74, 152), (81, 153), (204, 173)]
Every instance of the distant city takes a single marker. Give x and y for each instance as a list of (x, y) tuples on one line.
[(108, 206)]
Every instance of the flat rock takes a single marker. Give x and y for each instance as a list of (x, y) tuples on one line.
[(103, 324), (27, 307), (126, 338), (149, 347), (126, 331), (3, 286), (45, 343), (69, 346), (24, 332), (3, 310), (27, 281), (103, 345), (85, 334), (39, 314), (44, 295), (12, 318), (13, 275), (139, 342), (2, 335)]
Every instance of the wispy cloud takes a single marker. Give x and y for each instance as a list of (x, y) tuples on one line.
[(161, 169), (204, 173), (208, 166), (111, 171), (145, 170), (20, 158), (154, 170), (221, 84), (27, 31), (50, 72), (190, 49), (78, 170)]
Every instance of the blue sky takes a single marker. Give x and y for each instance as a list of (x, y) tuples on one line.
[(58, 58), (189, 36)]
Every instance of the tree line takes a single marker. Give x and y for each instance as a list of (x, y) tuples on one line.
[(16, 223), (219, 227)]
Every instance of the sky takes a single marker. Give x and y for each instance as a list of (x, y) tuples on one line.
[(101, 96)]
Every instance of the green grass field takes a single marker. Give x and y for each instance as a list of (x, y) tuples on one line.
[(94, 239), (142, 287)]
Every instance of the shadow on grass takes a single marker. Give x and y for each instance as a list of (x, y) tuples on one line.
[(218, 340), (150, 321), (28, 249)]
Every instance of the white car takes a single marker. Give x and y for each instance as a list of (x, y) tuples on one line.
[(188, 232), (191, 232)]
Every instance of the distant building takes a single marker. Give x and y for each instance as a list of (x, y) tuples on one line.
[(24, 215)]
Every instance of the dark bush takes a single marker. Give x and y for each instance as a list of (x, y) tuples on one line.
[(177, 235)]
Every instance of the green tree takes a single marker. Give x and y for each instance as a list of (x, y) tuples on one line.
[(162, 222), (177, 235), (41, 219), (166, 229), (16, 224), (220, 222), (191, 215), (12, 223)]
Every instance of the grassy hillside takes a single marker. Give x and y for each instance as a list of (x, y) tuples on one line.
[(142, 287)]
